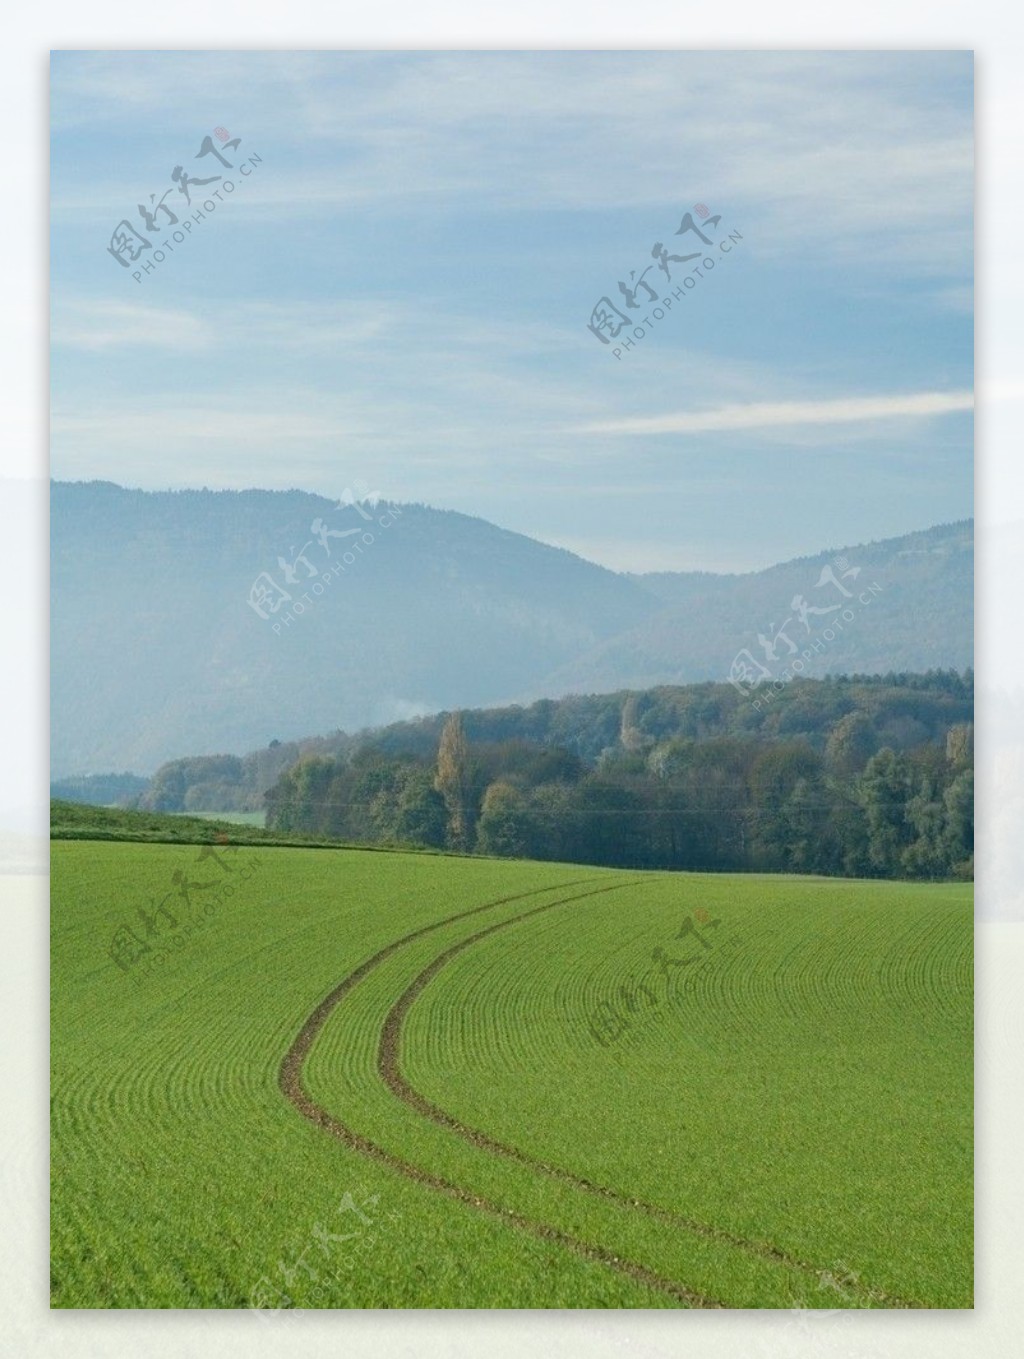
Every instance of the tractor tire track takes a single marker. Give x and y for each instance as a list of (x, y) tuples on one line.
[(290, 1083), (389, 1066)]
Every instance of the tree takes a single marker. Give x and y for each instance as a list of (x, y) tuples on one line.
[(502, 829), (850, 745), (671, 778), (958, 834), (631, 738), (299, 800), (805, 837), (925, 857), (166, 791), (550, 823), (610, 827), (884, 790), (422, 816), (671, 758), (777, 770), (960, 744), (453, 780)]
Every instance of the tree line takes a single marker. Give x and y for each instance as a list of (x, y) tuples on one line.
[(864, 778)]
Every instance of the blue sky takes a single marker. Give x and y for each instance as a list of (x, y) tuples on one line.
[(397, 296)]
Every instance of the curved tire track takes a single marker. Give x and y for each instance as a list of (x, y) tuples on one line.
[(389, 1067), (290, 1082)]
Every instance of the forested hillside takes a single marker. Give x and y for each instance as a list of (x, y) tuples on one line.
[(865, 776)]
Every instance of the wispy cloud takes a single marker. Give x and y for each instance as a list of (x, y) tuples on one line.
[(779, 414), (401, 293), (89, 324), (847, 154), (234, 433), (102, 323)]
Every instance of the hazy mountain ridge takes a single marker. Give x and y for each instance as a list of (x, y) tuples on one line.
[(157, 653), (922, 618), (151, 623)]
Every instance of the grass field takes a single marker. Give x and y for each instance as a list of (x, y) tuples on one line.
[(370, 1079)]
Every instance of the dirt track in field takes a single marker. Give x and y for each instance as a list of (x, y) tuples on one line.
[(290, 1082), (389, 1067)]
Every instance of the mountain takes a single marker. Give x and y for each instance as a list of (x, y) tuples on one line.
[(156, 650), (912, 601), (159, 649)]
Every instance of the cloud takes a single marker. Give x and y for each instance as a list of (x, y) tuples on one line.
[(401, 293), (103, 324), (89, 324), (866, 156), (778, 414), (237, 433)]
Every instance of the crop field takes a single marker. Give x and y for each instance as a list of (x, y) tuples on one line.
[(289, 1078)]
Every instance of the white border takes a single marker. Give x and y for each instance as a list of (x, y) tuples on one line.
[(994, 31)]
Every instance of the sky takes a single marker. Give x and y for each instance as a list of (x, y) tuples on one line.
[(395, 294)]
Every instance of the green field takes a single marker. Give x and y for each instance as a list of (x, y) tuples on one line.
[(372, 1079)]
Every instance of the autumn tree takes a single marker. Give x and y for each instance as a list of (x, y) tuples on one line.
[(453, 781)]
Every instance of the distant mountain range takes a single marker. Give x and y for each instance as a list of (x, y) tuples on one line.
[(159, 648)]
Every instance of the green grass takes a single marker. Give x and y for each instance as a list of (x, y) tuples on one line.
[(84, 821), (798, 1110)]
